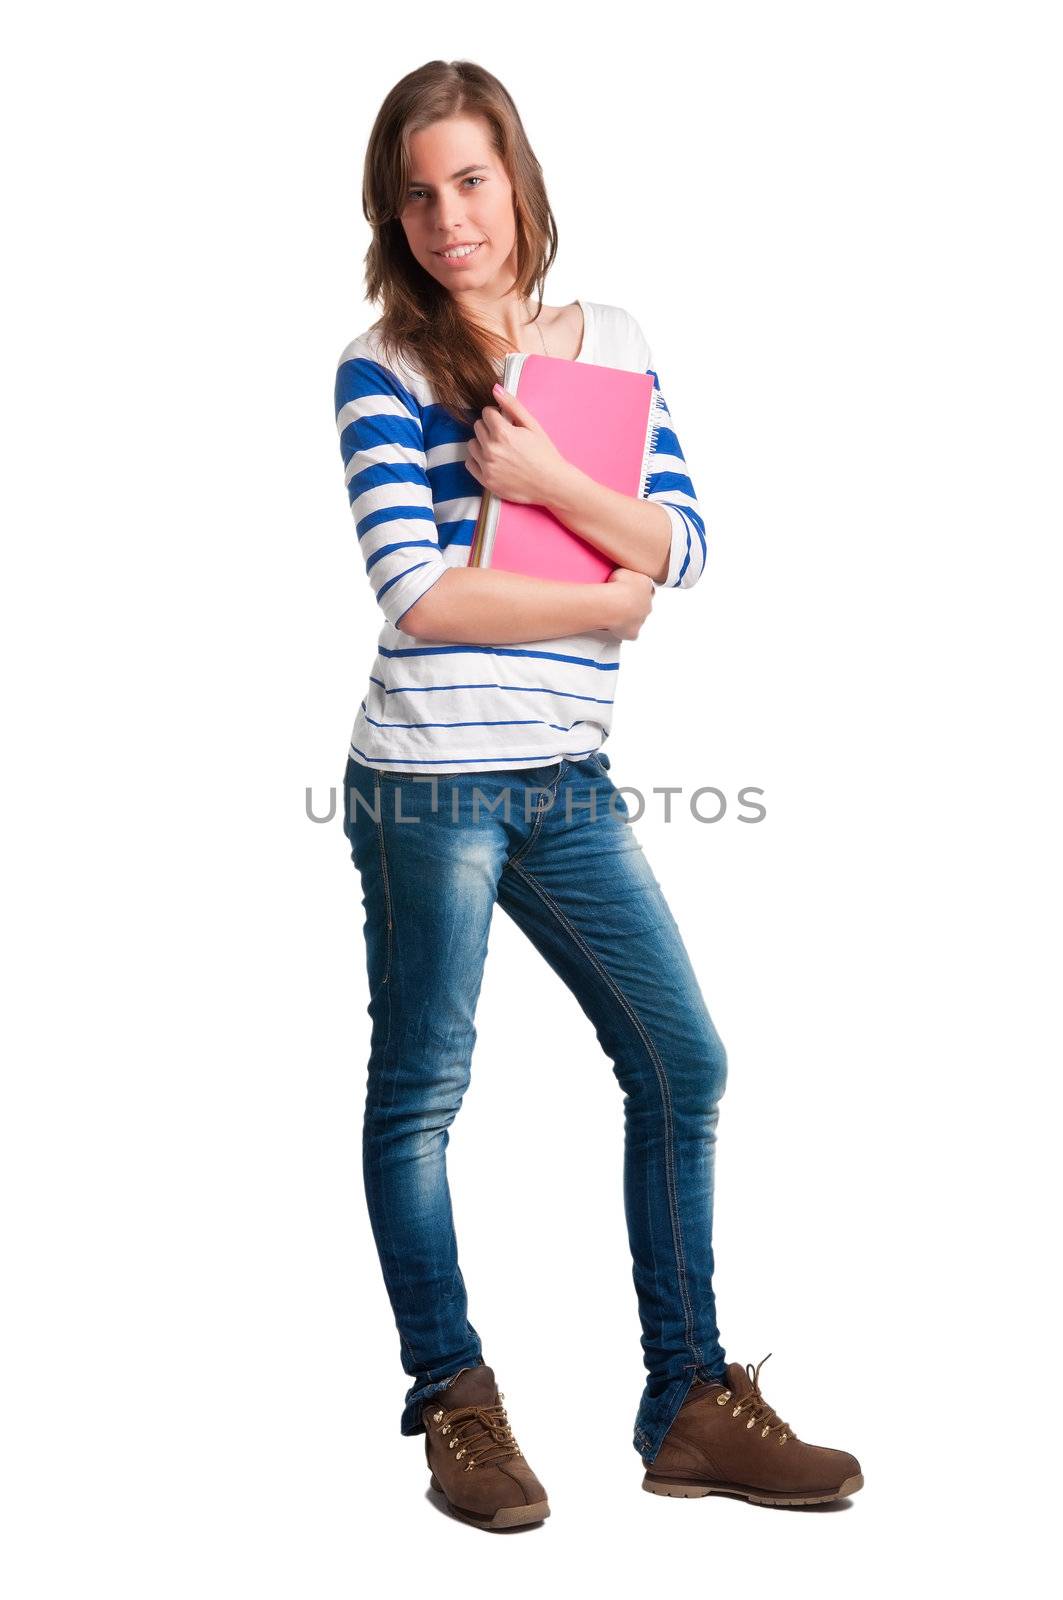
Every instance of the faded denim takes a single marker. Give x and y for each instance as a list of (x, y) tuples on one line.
[(580, 887)]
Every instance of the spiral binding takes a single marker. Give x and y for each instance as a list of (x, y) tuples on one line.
[(656, 419)]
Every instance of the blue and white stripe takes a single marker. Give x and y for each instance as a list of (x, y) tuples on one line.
[(669, 484), (469, 708)]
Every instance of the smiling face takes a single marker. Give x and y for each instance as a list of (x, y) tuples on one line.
[(460, 195)]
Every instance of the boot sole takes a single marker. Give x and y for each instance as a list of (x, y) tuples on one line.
[(504, 1517), (695, 1488)]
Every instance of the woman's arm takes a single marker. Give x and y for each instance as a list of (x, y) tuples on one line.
[(386, 471), (637, 533), (479, 605)]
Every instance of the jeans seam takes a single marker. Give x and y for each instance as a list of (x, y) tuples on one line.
[(512, 861), (387, 892), (662, 1083), (378, 1060)]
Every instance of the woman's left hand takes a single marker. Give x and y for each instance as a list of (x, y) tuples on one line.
[(512, 454)]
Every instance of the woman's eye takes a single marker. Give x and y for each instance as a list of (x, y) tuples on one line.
[(415, 194)]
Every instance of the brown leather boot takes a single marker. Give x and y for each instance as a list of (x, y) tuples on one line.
[(726, 1439), (474, 1458)]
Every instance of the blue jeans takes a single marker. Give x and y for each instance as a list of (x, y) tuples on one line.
[(578, 884)]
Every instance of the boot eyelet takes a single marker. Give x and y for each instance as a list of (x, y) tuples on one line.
[(437, 1416), (722, 1399)]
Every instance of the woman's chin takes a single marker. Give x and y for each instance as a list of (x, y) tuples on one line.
[(482, 274)]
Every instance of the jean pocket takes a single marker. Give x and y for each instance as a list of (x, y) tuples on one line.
[(602, 761)]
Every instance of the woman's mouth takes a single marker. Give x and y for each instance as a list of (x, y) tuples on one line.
[(459, 252)]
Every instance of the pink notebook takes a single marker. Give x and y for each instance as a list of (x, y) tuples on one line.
[(602, 419)]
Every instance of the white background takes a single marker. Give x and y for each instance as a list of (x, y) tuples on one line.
[(838, 225)]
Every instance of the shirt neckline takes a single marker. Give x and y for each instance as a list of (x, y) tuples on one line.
[(581, 354)]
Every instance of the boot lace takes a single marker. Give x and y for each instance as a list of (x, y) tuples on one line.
[(482, 1434), (760, 1412)]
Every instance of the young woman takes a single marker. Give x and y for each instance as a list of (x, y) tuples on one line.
[(476, 775)]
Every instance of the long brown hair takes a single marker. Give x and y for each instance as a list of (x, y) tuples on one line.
[(420, 319)]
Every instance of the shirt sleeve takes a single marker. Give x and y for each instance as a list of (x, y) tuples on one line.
[(386, 472), (670, 486)]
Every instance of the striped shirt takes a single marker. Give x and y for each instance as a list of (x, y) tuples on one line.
[(453, 707)]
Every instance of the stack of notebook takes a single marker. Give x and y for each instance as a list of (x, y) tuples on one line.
[(602, 419)]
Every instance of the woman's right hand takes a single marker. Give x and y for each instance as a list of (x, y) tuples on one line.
[(635, 596)]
